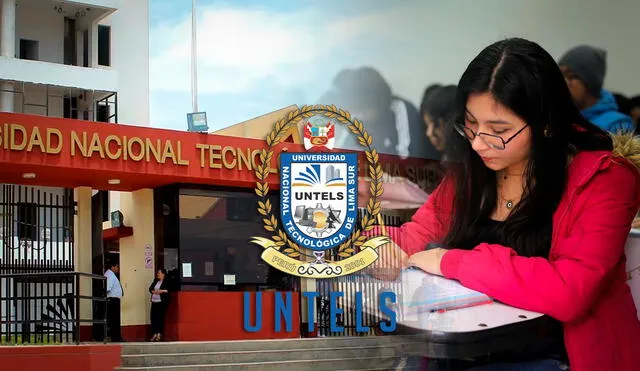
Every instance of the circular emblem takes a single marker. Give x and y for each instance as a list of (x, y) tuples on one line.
[(320, 216)]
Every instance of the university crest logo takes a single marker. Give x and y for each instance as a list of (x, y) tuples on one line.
[(319, 199)]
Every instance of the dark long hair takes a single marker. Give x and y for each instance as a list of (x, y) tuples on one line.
[(523, 77), (439, 102)]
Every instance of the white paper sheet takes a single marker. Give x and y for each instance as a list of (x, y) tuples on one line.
[(229, 279), (186, 270), (423, 292)]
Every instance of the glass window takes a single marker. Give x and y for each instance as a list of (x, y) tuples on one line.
[(215, 231), (104, 45)]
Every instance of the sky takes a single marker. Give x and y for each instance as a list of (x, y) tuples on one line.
[(254, 59), (257, 56)]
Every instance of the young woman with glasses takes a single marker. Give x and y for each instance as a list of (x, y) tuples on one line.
[(534, 211)]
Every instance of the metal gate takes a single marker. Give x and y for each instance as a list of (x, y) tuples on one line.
[(36, 229), (350, 285), (36, 240)]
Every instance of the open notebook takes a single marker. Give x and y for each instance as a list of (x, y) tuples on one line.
[(424, 292)]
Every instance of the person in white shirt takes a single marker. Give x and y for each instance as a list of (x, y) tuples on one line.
[(114, 294)]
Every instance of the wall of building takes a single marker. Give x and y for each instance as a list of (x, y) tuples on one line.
[(61, 357), (42, 24), (82, 239), (38, 100), (138, 213), (130, 57)]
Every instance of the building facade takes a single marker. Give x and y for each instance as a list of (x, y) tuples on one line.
[(86, 60), (75, 146), (79, 60)]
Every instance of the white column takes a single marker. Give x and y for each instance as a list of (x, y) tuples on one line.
[(8, 29), (6, 97), (7, 49)]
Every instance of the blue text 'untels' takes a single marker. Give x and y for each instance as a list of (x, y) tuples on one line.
[(283, 311)]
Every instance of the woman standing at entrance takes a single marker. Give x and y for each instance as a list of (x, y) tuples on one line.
[(159, 290)]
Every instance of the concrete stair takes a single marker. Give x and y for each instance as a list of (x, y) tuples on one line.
[(319, 354)]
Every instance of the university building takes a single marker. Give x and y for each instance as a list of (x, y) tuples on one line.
[(85, 180)]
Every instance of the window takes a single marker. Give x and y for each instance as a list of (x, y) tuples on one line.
[(102, 112), (29, 49), (85, 48), (69, 46), (27, 221), (214, 229), (70, 109), (104, 45)]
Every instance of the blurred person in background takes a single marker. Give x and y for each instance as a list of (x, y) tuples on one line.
[(369, 101), (624, 103), (430, 89), (436, 110), (584, 68), (634, 111), (629, 107), (392, 121)]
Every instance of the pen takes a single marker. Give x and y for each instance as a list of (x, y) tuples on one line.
[(462, 306)]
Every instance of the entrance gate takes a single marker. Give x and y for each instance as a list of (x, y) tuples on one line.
[(37, 284)]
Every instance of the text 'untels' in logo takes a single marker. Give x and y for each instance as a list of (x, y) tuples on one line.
[(318, 233), (319, 198)]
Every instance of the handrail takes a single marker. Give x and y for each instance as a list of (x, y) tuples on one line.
[(35, 312), (49, 274)]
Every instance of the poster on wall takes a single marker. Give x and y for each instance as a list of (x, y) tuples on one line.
[(148, 257), (229, 279), (186, 270), (208, 268)]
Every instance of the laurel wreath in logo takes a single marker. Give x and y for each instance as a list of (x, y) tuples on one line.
[(276, 136)]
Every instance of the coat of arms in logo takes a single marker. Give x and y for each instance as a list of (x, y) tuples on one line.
[(319, 199), (317, 137)]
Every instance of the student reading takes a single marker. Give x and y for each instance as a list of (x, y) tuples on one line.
[(535, 209)]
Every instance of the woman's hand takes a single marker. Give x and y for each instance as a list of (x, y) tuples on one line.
[(391, 261), (428, 261)]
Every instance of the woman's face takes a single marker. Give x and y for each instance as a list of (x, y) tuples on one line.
[(160, 275), (434, 132), (485, 115)]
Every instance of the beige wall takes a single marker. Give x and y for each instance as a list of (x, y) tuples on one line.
[(137, 211), (82, 246)]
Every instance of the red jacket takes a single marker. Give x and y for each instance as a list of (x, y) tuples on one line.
[(582, 284)]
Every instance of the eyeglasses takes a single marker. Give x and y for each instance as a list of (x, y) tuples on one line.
[(493, 141)]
